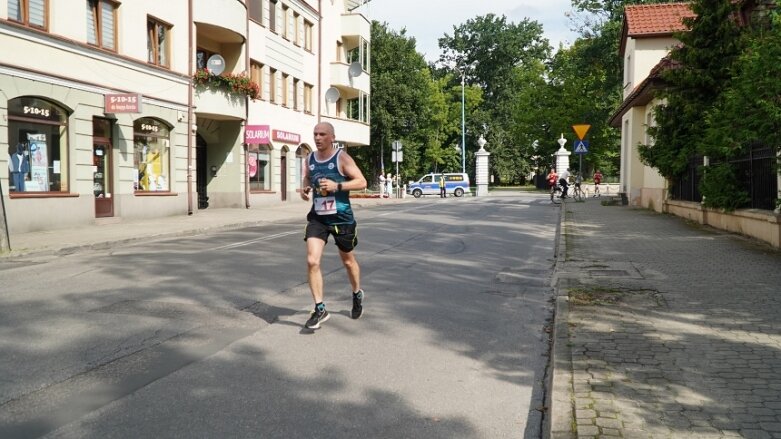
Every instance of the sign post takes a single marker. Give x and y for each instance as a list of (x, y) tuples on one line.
[(397, 155), (581, 146)]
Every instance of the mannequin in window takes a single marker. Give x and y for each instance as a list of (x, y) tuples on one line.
[(19, 166)]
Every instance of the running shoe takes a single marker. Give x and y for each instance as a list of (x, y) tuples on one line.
[(357, 304), (317, 318)]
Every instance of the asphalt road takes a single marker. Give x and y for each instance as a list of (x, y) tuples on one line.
[(203, 336)]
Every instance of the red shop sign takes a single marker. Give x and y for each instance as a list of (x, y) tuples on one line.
[(284, 136), (256, 135), (123, 103)]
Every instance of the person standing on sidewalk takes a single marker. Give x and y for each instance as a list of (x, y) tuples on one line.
[(329, 175)]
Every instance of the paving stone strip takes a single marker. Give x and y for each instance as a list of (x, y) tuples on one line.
[(674, 329)]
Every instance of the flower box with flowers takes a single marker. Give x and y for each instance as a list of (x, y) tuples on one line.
[(238, 84)]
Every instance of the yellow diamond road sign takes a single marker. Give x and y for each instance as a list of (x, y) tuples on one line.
[(581, 130)]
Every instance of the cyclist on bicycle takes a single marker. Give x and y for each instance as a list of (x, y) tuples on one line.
[(564, 182)]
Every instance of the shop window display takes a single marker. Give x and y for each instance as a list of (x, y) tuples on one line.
[(151, 156), (259, 169), (38, 145)]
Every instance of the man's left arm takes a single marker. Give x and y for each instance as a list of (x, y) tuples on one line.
[(355, 179)]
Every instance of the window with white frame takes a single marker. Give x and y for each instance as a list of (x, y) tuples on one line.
[(259, 169), (358, 108), (360, 53), (301, 154)]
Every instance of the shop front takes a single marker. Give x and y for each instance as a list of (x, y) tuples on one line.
[(257, 139), (286, 143), (76, 158)]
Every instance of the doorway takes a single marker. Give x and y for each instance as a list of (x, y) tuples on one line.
[(283, 173), (201, 172), (101, 180)]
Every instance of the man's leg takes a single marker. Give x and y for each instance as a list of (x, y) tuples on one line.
[(314, 252), (354, 274), (353, 269)]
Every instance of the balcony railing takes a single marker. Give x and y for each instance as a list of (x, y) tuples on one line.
[(340, 75), (223, 96), (225, 14), (356, 25)]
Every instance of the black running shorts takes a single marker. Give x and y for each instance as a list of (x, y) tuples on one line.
[(345, 235)]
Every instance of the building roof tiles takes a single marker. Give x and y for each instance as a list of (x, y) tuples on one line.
[(656, 19)]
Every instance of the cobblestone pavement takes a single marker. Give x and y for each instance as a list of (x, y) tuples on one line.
[(674, 329)]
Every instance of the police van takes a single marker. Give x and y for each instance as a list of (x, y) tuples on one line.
[(456, 183)]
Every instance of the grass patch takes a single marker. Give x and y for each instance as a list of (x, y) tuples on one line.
[(594, 296)]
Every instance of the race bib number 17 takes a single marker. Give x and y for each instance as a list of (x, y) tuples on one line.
[(325, 205)]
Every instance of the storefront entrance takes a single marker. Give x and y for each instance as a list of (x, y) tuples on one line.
[(101, 180), (283, 174), (201, 172)]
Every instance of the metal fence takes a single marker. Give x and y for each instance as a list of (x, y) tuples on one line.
[(686, 186), (756, 172)]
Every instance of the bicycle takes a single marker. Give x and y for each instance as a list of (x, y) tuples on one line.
[(578, 193), (556, 193)]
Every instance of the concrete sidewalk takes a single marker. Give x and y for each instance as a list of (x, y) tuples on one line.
[(116, 231), (664, 329)]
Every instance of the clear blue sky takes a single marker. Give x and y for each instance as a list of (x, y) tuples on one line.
[(429, 20)]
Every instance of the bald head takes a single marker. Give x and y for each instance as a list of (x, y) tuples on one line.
[(324, 135), (325, 126)]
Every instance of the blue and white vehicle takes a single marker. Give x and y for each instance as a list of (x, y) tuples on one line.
[(456, 183)]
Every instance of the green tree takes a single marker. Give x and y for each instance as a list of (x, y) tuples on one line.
[(749, 110), (701, 70), (497, 56), (400, 101)]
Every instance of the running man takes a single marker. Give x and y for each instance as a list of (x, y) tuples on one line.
[(329, 175), (597, 181), (552, 178)]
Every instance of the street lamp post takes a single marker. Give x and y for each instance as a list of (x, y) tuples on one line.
[(463, 126)]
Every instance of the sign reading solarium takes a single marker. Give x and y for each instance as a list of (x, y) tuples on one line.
[(284, 136)]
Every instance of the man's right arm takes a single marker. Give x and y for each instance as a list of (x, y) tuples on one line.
[(306, 185)]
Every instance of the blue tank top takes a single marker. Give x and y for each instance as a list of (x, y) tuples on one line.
[(333, 207)]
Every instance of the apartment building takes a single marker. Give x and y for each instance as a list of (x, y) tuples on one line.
[(114, 110)]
